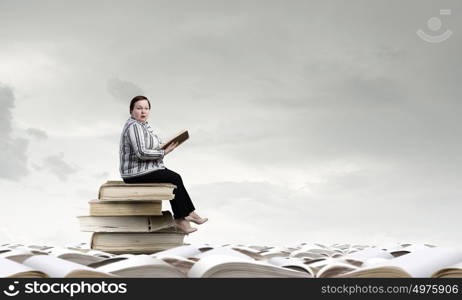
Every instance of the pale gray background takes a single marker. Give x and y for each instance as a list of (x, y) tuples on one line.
[(310, 121)]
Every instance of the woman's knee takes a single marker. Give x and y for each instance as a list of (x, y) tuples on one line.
[(178, 178), (175, 176)]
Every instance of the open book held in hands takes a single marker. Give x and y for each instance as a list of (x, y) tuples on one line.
[(180, 138)]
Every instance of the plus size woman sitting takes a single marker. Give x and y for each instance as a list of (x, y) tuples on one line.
[(141, 161)]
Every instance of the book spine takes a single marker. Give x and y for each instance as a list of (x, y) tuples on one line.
[(100, 192), (92, 240)]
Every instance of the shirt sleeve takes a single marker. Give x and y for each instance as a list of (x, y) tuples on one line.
[(136, 135), (160, 140)]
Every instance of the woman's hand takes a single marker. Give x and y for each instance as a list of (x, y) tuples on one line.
[(171, 147)]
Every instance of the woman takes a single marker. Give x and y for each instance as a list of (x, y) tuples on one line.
[(141, 162)]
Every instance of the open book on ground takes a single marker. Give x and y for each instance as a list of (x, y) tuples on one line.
[(179, 137), (186, 251), (422, 263), (275, 252), (292, 263), (335, 266), (118, 190), (126, 223), (227, 250), (179, 262), (224, 266), (142, 266), (452, 271), (75, 256), (47, 266), (204, 260), (111, 260), (20, 254), (10, 268)]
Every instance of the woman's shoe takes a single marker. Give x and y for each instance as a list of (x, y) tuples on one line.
[(196, 220), (184, 227)]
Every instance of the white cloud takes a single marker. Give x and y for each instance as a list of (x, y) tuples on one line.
[(58, 166), (37, 133), (123, 90), (13, 158)]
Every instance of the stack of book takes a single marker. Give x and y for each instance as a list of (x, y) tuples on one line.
[(128, 218)]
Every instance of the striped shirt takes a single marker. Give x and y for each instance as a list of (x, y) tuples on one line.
[(139, 149)]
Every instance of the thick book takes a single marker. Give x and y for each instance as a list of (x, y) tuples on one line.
[(120, 191), (126, 223), (137, 242), (180, 138), (124, 208)]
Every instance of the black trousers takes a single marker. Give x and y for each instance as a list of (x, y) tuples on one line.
[(181, 204)]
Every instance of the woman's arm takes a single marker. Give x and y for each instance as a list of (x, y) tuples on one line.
[(135, 133)]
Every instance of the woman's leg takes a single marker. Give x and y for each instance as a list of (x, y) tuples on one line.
[(182, 205)]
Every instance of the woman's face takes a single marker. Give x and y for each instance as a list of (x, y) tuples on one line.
[(141, 110)]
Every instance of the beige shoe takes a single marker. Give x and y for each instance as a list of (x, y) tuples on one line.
[(183, 225), (194, 217), (196, 220)]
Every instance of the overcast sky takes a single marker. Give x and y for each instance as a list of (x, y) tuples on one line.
[(310, 121)]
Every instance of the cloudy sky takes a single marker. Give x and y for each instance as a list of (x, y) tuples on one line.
[(310, 121)]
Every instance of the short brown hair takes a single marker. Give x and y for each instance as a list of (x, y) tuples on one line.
[(136, 99)]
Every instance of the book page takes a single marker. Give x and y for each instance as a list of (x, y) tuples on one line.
[(328, 260), (455, 268), (57, 251), (16, 252), (275, 251), (224, 251), (309, 252), (334, 269), (373, 261), (288, 262), (367, 253), (136, 261), (184, 251), (423, 262), (9, 268), (212, 260), (4, 249), (111, 260), (55, 267), (402, 249), (100, 253), (179, 262), (19, 255), (232, 266)]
